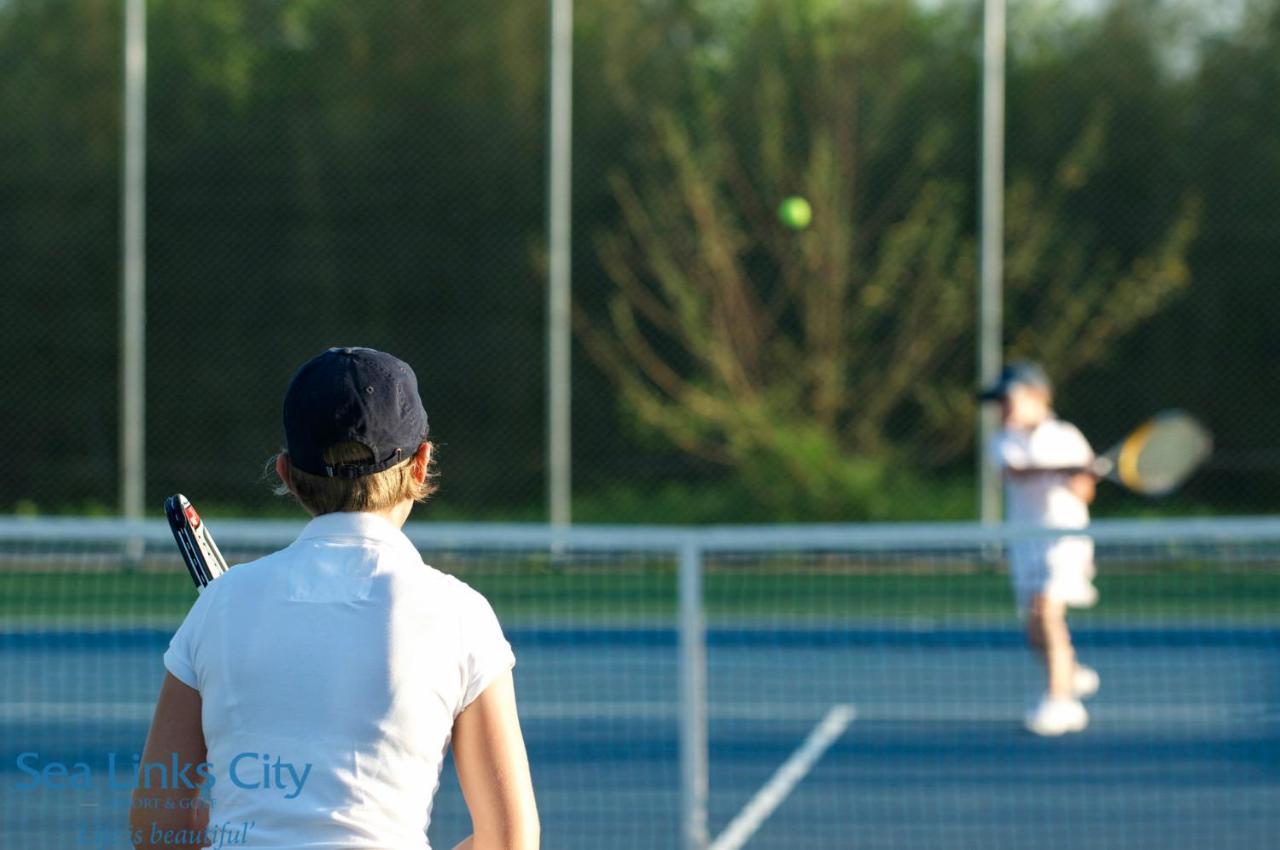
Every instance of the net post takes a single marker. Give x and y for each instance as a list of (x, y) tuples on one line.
[(693, 701)]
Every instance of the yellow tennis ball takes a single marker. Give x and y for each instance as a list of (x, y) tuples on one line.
[(795, 212)]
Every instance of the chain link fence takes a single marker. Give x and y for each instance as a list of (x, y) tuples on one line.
[(324, 173)]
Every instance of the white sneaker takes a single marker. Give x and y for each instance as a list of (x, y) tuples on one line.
[(1057, 717), (1085, 682)]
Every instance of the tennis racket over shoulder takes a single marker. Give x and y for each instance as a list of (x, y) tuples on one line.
[(204, 561), (1158, 456)]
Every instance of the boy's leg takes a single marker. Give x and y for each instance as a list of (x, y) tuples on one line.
[(1060, 711), (1071, 572), (1048, 635)]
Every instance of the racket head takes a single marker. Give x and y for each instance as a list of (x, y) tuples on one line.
[(1162, 453)]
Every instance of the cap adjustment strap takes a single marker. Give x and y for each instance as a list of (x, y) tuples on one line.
[(349, 472)]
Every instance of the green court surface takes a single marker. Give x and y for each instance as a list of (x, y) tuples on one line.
[(1180, 593)]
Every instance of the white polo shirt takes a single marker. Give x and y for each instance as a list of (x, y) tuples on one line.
[(331, 673), (1045, 499)]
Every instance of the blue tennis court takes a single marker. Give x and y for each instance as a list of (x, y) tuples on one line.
[(1183, 749)]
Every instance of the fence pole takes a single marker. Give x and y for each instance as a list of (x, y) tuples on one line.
[(693, 701), (133, 264), (559, 182), (990, 290)]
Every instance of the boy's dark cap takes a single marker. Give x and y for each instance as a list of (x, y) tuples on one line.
[(353, 395), (1020, 373)]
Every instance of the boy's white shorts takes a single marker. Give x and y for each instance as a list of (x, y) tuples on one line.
[(1060, 569)]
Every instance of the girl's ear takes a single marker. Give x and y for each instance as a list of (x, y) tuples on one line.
[(282, 469), (421, 462)]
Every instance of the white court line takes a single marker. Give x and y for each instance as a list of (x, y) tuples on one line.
[(768, 798)]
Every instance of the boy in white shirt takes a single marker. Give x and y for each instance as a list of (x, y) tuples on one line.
[(1045, 463)]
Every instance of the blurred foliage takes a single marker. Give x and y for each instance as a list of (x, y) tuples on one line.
[(815, 364), (326, 173)]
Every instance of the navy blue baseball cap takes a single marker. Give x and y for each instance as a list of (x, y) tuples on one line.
[(353, 395), (1019, 373)]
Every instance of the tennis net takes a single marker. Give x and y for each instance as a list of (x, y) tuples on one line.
[(741, 687)]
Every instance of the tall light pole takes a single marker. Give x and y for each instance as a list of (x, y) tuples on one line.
[(133, 271), (559, 169), (991, 264)]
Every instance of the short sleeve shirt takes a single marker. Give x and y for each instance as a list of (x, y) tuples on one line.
[(1043, 499), (331, 673)]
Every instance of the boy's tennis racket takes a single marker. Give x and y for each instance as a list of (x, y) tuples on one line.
[(204, 561), (1159, 455)]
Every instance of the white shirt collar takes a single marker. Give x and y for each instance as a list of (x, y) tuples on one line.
[(353, 524)]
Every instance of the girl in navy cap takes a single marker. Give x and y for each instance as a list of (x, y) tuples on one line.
[(321, 686)]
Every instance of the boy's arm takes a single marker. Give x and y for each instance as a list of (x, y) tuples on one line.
[(1081, 480), (1084, 485), (1090, 472)]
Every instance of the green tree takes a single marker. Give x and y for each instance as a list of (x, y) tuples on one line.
[(819, 364)]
